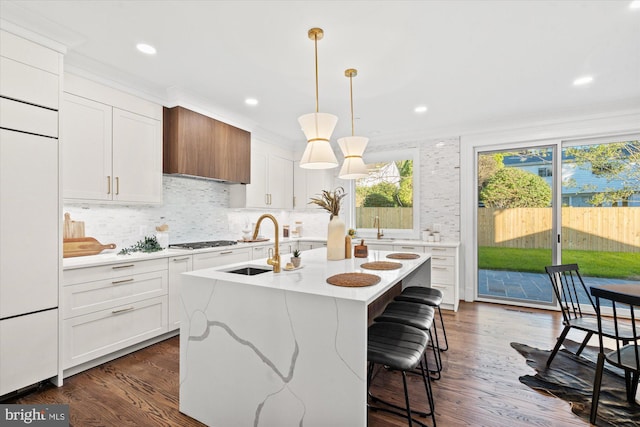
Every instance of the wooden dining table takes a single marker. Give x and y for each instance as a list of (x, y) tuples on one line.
[(627, 293)]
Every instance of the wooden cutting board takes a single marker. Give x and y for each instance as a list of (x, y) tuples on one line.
[(72, 229), (83, 246)]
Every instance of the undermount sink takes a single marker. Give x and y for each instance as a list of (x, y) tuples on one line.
[(249, 271)]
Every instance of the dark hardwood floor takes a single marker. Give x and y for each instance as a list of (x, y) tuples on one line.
[(479, 386)]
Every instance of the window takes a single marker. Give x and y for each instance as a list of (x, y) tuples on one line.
[(388, 195), (544, 172)]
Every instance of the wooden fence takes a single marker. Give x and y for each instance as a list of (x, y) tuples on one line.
[(389, 217), (602, 229)]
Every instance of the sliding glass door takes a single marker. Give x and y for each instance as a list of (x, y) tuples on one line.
[(601, 209), (537, 208), (515, 224)]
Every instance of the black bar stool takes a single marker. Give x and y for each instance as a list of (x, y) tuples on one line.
[(398, 347), (431, 297), (417, 315)]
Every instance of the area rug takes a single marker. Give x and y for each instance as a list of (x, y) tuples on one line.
[(571, 377)]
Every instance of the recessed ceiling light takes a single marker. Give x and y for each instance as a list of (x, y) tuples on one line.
[(635, 4), (581, 81), (146, 48), (420, 109), (251, 101)]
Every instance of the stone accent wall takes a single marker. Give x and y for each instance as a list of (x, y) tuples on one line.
[(440, 187)]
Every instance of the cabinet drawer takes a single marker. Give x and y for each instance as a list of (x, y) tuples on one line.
[(216, 259), (104, 272), (29, 84), (411, 248), (442, 274), (437, 259), (89, 297), (98, 334), (440, 251), (448, 293), (28, 118)]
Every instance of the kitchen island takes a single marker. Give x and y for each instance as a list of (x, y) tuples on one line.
[(284, 349)]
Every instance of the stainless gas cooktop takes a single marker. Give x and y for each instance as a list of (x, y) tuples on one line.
[(203, 245)]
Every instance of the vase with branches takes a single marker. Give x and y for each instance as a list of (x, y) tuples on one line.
[(331, 201)]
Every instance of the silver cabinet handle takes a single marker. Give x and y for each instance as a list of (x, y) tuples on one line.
[(117, 282), (122, 266), (108, 184), (226, 252), (117, 185), (439, 258), (438, 249), (435, 267), (122, 310), (180, 259), (408, 247)]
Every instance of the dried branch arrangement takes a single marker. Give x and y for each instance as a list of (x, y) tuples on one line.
[(330, 201)]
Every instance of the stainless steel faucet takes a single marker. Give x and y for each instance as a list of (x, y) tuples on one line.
[(376, 223), (273, 260)]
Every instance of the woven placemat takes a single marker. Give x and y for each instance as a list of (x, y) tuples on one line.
[(402, 255), (353, 280), (381, 265)]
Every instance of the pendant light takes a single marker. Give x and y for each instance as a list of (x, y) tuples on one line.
[(353, 146), (318, 127)]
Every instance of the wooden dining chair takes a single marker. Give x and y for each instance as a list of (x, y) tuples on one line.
[(578, 308), (625, 300)]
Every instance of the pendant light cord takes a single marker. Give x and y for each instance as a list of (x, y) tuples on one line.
[(315, 41), (351, 97)]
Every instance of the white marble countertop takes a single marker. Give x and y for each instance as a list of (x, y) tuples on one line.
[(315, 269), (112, 257)]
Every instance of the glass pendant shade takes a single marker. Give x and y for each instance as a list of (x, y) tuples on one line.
[(317, 128), (353, 148)]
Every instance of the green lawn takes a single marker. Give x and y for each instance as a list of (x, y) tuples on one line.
[(617, 265)]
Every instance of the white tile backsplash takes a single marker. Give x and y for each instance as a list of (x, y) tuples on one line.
[(194, 209), (198, 209)]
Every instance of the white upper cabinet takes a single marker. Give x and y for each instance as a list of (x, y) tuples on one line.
[(86, 159), (137, 158), (29, 72), (309, 183), (110, 153), (271, 183)]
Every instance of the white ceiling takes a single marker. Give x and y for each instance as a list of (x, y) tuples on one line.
[(475, 64)]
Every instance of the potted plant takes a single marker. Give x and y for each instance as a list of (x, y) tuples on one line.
[(330, 201), (295, 259)]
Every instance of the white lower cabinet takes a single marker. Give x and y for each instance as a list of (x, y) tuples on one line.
[(308, 245), (102, 332), (28, 349), (218, 258), (177, 266), (408, 248), (108, 308), (375, 246), (444, 274)]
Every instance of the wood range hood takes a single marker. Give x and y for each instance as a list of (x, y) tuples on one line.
[(199, 146)]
